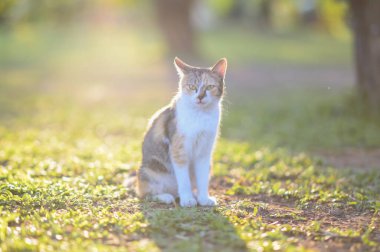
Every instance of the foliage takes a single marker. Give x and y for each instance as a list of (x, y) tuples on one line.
[(333, 17), (221, 7), (283, 15)]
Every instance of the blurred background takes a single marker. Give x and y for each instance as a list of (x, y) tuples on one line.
[(290, 80)]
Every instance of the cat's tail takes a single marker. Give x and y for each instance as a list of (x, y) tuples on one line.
[(130, 181)]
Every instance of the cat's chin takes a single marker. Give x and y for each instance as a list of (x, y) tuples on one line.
[(202, 105)]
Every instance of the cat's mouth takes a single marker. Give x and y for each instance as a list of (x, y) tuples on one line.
[(200, 103)]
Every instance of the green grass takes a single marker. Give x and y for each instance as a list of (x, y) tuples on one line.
[(62, 189), (68, 143), (240, 45), (299, 119), (63, 165)]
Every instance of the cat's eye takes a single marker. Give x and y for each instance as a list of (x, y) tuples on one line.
[(209, 87), (192, 87)]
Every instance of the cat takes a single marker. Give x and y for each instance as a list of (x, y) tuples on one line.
[(178, 145)]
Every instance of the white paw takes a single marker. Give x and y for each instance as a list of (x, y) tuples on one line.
[(187, 201), (207, 201), (164, 198)]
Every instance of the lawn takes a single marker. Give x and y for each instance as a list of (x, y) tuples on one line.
[(71, 131)]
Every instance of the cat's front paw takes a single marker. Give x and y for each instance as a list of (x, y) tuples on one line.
[(187, 201), (207, 201)]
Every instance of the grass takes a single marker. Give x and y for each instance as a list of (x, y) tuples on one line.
[(67, 144), (297, 120), (303, 47)]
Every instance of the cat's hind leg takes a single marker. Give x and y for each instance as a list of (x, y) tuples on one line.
[(164, 198), (157, 185)]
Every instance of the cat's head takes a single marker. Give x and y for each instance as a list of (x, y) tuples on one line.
[(202, 87)]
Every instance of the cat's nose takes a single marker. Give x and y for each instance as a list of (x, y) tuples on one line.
[(200, 97)]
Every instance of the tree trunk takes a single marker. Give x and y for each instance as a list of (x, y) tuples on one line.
[(265, 14), (366, 25), (174, 18)]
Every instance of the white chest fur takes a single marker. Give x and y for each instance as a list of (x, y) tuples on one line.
[(198, 126)]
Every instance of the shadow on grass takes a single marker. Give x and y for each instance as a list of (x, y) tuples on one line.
[(190, 229)]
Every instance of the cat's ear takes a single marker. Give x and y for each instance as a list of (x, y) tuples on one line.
[(220, 68), (182, 67)]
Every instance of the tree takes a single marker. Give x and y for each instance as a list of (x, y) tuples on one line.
[(174, 18), (366, 26)]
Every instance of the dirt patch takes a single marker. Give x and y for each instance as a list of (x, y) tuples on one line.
[(319, 227), (273, 76), (314, 229)]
